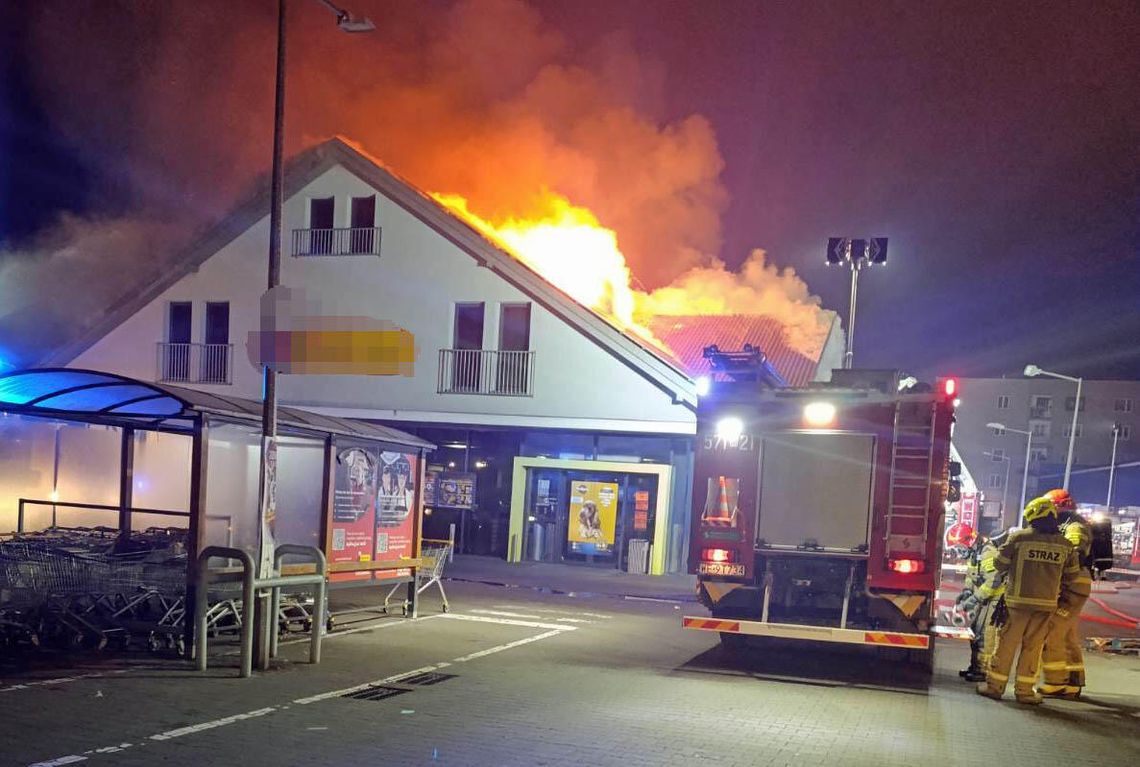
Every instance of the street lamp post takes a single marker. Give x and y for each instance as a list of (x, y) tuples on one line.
[(1025, 474), (1112, 466), (1032, 371), (267, 501), (1005, 487)]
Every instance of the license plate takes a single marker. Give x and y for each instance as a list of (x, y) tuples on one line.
[(720, 568)]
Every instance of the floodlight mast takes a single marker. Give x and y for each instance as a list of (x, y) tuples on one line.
[(856, 254)]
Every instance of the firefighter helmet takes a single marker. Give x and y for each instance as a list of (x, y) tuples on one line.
[(961, 534), (1039, 508), (1061, 499)]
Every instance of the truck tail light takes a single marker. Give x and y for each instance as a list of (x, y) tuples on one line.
[(718, 555), (906, 566)]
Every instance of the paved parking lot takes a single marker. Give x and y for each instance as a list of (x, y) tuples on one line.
[(517, 677)]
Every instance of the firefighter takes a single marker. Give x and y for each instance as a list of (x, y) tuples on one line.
[(1040, 567), (984, 587), (1062, 661)]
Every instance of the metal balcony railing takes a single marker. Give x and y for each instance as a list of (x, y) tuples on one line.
[(486, 371), (195, 363), (352, 241)]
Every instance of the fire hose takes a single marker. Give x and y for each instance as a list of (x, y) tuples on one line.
[(1127, 621)]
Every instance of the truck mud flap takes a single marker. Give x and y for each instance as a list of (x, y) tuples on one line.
[(903, 641)]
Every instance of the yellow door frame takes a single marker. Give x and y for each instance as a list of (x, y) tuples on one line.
[(663, 472)]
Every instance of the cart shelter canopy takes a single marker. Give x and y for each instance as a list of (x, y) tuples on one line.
[(107, 398)]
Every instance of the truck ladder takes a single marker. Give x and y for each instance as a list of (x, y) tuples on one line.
[(911, 443)]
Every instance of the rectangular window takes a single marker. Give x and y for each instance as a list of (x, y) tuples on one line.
[(176, 352), (1069, 429), (1040, 429), (1125, 431), (514, 328), (997, 455), (322, 215), (514, 349), (998, 431), (995, 481), (467, 345), (1041, 401), (1122, 405), (1039, 454), (215, 355), (1069, 401), (363, 238), (1003, 402), (467, 332)]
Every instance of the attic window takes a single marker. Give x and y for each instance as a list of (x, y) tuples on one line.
[(323, 238)]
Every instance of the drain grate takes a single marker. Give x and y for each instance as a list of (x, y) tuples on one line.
[(375, 693), (427, 678)]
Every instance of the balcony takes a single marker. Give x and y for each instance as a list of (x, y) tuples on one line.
[(1041, 412), (352, 241), (483, 371), (195, 363)]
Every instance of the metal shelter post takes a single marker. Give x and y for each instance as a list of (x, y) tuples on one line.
[(126, 481), (199, 453)]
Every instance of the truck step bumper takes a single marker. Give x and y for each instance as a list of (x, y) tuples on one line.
[(903, 641)]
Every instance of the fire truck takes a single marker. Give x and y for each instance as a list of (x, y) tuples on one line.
[(818, 511)]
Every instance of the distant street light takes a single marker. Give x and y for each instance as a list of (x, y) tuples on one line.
[(267, 501), (1025, 475), (1112, 465), (1033, 371), (1004, 487)]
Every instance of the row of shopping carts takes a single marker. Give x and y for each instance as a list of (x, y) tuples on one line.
[(86, 587)]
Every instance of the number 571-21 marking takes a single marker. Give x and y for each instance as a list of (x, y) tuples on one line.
[(744, 442)]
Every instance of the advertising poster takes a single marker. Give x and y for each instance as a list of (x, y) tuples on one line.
[(641, 510), (395, 510), (354, 508), (593, 516), (968, 510), (450, 490)]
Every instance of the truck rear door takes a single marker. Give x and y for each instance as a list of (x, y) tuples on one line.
[(815, 490)]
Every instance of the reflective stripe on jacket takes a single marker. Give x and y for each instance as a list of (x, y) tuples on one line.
[(1079, 534), (1040, 569)]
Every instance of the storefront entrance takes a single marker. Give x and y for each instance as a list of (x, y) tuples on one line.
[(591, 513)]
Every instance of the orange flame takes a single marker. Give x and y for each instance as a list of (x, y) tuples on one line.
[(569, 247)]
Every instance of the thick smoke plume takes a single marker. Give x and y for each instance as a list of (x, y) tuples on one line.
[(171, 104)]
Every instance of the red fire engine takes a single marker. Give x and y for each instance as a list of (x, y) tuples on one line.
[(818, 511)]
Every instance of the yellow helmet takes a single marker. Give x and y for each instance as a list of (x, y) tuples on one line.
[(1039, 508)]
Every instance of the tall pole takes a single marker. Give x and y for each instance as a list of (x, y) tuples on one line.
[(267, 505), (1005, 489), (849, 355), (1112, 465), (1025, 477), (1072, 435)]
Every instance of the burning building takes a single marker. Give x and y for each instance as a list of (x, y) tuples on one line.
[(554, 390)]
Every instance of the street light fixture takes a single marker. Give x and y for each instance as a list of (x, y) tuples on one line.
[(855, 254), (267, 502), (1004, 488), (1032, 371), (1112, 466), (1025, 474)]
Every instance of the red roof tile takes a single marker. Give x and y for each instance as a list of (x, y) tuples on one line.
[(687, 336)]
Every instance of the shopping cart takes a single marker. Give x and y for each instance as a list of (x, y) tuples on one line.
[(434, 556)]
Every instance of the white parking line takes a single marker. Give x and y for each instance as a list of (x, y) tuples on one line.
[(61, 680), (511, 645), (550, 611), (553, 630), (507, 621)]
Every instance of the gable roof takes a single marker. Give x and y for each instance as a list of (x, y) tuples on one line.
[(688, 335), (308, 165)]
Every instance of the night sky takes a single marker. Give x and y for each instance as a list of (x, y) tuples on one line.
[(995, 144)]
